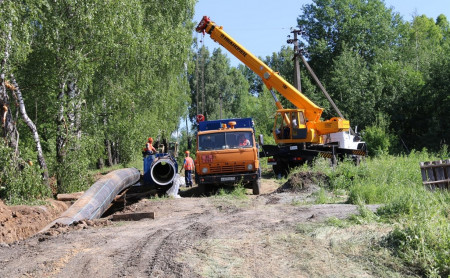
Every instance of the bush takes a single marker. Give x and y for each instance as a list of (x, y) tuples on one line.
[(377, 137), (20, 183)]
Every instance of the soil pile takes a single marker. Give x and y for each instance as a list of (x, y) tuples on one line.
[(306, 182), (20, 222)]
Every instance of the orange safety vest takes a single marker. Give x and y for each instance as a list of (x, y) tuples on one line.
[(188, 164), (149, 148), (244, 142)]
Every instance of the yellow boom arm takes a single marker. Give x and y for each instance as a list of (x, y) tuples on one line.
[(270, 78)]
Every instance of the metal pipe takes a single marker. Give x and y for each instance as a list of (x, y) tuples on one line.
[(96, 200), (163, 171)]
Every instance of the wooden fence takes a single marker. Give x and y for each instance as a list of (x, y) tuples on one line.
[(436, 174)]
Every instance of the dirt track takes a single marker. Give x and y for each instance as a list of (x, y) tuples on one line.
[(270, 235)]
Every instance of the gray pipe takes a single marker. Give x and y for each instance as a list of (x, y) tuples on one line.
[(163, 170), (96, 200)]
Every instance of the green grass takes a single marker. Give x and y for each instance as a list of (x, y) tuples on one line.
[(236, 192), (421, 218)]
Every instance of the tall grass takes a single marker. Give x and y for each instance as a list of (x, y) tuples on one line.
[(421, 217)]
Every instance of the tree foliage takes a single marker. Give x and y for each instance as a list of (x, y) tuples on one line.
[(97, 77)]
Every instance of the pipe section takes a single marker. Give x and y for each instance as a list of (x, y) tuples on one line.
[(159, 169), (96, 200), (163, 171)]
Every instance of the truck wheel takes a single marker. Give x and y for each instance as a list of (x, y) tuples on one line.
[(276, 169), (256, 186), (281, 169), (201, 189)]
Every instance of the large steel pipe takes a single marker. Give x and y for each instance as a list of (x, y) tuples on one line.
[(163, 171), (96, 200)]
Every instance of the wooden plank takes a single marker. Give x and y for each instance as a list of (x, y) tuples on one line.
[(430, 174), (136, 216), (444, 164), (439, 173), (423, 172), (447, 172), (436, 182), (69, 196)]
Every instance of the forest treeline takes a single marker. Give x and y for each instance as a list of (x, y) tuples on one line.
[(84, 83), (389, 76), (97, 78)]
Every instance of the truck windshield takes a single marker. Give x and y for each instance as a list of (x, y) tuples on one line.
[(225, 140)]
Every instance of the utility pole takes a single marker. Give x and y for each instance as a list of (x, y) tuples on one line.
[(297, 78), (220, 97)]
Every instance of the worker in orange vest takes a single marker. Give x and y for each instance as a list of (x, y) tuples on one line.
[(149, 149), (188, 166), (243, 141)]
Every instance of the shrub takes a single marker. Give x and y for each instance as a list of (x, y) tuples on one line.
[(377, 137), (20, 183)]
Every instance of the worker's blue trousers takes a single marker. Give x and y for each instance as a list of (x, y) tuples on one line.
[(188, 177)]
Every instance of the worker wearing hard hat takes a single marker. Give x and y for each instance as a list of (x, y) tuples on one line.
[(188, 166), (149, 149)]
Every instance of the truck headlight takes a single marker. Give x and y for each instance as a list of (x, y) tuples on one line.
[(249, 167), (205, 170)]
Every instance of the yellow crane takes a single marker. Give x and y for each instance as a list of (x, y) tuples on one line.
[(308, 128), (300, 133)]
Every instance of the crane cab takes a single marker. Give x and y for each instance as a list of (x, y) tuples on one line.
[(291, 126)]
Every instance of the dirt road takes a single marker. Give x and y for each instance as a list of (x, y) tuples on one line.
[(271, 235)]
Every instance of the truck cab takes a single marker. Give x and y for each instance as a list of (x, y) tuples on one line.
[(227, 153)]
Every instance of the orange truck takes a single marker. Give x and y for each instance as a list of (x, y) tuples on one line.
[(227, 153)]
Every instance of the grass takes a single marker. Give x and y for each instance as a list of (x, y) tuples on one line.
[(421, 218)]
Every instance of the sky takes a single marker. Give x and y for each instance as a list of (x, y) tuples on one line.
[(262, 26)]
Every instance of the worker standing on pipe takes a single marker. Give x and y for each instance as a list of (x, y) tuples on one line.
[(149, 149), (188, 166)]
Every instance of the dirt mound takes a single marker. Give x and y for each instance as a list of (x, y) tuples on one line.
[(20, 222), (305, 182)]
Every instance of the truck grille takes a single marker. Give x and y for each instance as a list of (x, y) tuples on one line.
[(227, 169)]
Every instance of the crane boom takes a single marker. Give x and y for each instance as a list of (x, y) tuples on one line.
[(270, 78)]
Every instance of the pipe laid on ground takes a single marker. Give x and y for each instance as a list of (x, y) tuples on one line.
[(96, 200)]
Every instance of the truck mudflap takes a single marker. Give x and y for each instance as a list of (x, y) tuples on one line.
[(227, 179)]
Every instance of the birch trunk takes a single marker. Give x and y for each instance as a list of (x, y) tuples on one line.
[(9, 129), (31, 126)]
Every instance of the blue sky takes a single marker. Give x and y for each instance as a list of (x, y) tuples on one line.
[(262, 26)]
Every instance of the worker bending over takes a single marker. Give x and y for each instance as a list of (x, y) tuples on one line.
[(188, 166)]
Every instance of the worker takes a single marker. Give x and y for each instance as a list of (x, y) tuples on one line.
[(188, 166), (149, 149), (294, 122), (243, 141)]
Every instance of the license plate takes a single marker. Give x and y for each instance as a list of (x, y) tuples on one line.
[(227, 179)]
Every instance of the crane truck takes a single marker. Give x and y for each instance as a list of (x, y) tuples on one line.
[(300, 134)]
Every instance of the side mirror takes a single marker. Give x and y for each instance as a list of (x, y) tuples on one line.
[(261, 139)]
